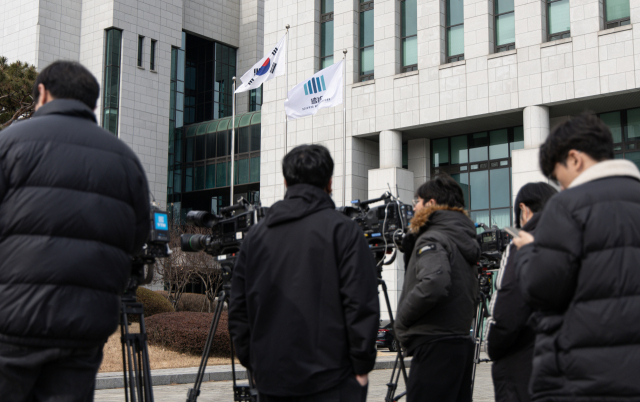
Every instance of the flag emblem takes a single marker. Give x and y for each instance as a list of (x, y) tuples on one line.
[(265, 67), (312, 88)]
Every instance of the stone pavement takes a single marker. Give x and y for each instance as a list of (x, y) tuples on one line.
[(221, 391)]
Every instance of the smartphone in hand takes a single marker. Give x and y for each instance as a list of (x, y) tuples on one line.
[(513, 231)]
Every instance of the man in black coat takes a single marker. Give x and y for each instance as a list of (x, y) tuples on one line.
[(581, 271), (439, 294), (509, 338), (73, 208), (304, 310)]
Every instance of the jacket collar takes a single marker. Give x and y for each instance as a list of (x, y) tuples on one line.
[(608, 168), (421, 218), (67, 107)]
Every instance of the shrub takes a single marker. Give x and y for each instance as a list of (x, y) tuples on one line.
[(152, 302), (186, 332)]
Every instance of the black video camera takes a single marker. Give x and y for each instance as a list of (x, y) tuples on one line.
[(493, 242), (228, 229), (157, 246), (383, 225)]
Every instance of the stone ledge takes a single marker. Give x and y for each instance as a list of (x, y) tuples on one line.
[(614, 30), (502, 54), (454, 64), (363, 84), (212, 373), (407, 74), (556, 42)]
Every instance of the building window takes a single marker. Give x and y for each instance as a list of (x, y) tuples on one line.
[(140, 50), (505, 26), (455, 30), (112, 52), (176, 122), (209, 69), (625, 130), (366, 40), (409, 34), (326, 34), (208, 153), (481, 164), (616, 13), (558, 24), (255, 99), (152, 55)]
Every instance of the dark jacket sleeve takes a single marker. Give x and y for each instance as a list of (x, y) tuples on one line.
[(547, 269), (359, 292), (140, 190), (3, 183), (509, 311), (433, 272), (238, 314)]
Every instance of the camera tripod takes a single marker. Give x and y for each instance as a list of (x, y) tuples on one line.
[(135, 354), (241, 393), (484, 294), (399, 367)]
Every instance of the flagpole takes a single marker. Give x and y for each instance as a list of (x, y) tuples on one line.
[(233, 132), (286, 121), (344, 128)]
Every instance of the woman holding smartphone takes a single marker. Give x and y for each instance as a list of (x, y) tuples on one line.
[(509, 339)]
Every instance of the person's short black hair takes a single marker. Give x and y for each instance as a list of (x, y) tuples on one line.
[(308, 164), (534, 196), (444, 190), (68, 80), (585, 133)]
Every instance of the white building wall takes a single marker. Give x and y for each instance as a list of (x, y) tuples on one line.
[(19, 30)]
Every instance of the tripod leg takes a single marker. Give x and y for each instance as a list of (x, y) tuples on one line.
[(481, 313), (193, 393), (393, 382)]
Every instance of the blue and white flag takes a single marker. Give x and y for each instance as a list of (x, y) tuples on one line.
[(272, 65), (323, 89)]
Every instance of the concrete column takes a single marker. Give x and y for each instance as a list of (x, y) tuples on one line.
[(390, 149), (419, 161), (525, 162), (536, 125)]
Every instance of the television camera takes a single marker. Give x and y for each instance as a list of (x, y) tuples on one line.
[(228, 230), (135, 355), (383, 225)]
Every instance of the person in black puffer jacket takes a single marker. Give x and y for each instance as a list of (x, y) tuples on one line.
[(73, 207), (439, 294), (509, 338), (581, 270)]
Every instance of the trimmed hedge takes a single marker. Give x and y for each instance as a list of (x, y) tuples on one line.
[(152, 302), (186, 332), (193, 302)]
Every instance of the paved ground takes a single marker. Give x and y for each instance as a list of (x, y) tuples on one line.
[(220, 391)]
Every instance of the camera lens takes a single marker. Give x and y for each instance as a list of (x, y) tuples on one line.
[(193, 242), (201, 218)]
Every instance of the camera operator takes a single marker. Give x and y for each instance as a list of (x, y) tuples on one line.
[(439, 294), (304, 308), (581, 271), (73, 207), (509, 339)]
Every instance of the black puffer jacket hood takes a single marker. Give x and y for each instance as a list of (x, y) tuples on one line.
[(73, 206), (301, 200)]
